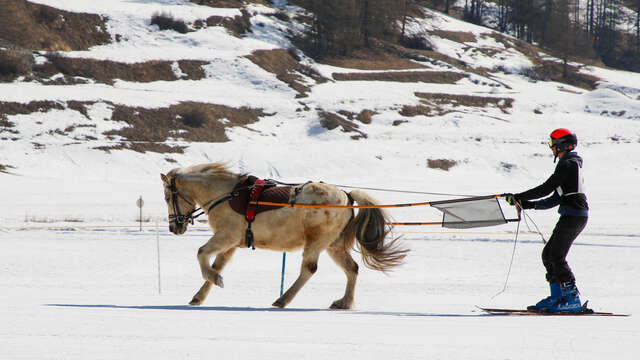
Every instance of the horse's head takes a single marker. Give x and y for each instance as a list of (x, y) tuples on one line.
[(181, 208)]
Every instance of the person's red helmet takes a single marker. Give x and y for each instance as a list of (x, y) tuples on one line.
[(563, 139)]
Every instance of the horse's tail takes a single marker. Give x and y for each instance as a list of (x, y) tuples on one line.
[(370, 229)]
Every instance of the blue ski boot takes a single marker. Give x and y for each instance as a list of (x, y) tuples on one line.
[(546, 303), (569, 300)]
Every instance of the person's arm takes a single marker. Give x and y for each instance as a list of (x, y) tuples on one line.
[(547, 203), (547, 187)]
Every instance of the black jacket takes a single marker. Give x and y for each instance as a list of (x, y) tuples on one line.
[(567, 187)]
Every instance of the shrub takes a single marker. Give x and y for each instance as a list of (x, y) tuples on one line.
[(416, 42), (281, 15), (46, 15), (13, 64), (167, 22), (194, 118)]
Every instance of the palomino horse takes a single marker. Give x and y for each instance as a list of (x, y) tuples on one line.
[(288, 228)]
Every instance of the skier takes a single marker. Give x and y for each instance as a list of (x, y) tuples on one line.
[(566, 183)]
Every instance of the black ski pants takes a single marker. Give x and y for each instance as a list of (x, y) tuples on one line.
[(555, 252)]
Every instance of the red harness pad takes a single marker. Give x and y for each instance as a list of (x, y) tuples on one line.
[(269, 192)]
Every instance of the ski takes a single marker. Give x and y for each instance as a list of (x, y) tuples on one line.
[(525, 312)]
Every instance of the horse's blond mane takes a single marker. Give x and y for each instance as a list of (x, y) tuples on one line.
[(213, 169)]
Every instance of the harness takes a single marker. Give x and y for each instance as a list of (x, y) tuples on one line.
[(255, 189), (252, 206), (253, 185)]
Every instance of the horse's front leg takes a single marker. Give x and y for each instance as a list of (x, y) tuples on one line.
[(211, 273)]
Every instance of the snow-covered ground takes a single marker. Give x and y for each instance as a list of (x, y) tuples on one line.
[(85, 294), (79, 282)]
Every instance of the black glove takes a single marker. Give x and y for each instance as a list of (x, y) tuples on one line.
[(511, 199)]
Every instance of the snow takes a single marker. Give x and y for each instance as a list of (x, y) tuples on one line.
[(79, 281), (78, 294)]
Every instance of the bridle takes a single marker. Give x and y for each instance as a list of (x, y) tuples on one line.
[(178, 218), (181, 219)]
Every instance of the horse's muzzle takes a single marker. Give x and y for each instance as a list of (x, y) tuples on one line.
[(177, 228)]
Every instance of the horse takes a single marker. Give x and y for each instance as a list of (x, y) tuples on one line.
[(289, 228)]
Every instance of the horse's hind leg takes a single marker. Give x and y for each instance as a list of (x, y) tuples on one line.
[(214, 278), (350, 268), (308, 268)]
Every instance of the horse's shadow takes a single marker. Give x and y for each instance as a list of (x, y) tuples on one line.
[(262, 309)]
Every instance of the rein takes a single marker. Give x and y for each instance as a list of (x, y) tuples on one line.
[(190, 217), (176, 216)]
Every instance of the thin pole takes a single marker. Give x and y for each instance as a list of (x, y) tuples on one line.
[(284, 258), (140, 203), (158, 256)]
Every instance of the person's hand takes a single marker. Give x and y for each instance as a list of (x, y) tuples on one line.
[(511, 199)]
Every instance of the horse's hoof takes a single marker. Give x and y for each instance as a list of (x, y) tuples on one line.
[(279, 304), (214, 278), (340, 305), (218, 280), (195, 301)]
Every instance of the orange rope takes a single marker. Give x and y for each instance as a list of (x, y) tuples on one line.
[(321, 206)]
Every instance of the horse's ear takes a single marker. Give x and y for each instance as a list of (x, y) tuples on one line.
[(164, 178)]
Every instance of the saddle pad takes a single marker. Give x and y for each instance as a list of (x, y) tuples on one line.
[(270, 193)]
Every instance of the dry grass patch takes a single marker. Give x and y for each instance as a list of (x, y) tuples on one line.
[(421, 55), (438, 99), (457, 36), (189, 121), (435, 58), (551, 70), (442, 164), (365, 116), (80, 106), (286, 68), (105, 71), (435, 77), (148, 129), (330, 121), (40, 27), (14, 63), (143, 147), (436, 104), (15, 108), (373, 59), (277, 61), (237, 25), (424, 110)]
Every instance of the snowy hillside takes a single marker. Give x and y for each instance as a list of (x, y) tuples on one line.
[(77, 151), (498, 130)]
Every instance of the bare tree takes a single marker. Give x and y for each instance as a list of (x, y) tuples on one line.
[(638, 27), (341, 26)]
